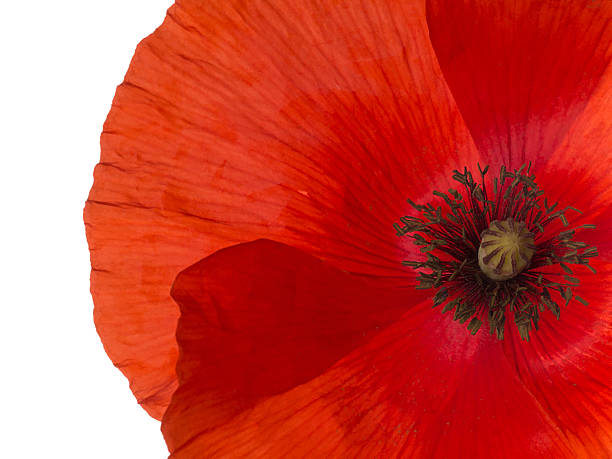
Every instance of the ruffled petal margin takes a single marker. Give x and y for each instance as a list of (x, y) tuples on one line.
[(305, 122)]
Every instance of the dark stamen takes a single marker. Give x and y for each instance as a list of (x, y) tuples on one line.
[(450, 236)]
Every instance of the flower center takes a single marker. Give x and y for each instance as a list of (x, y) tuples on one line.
[(505, 249), (492, 257)]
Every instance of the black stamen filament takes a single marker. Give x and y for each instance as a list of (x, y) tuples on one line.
[(450, 239)]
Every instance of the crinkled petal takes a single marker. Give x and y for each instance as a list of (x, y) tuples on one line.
[(307, 122), (261, 318)]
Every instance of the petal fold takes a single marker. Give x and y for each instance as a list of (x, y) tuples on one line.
[(522, 72), (261, 318)]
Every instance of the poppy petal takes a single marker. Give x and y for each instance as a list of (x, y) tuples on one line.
[(567, 366), (522, 72), (422, 387), (259, 319), (579, 173), (305, 122)]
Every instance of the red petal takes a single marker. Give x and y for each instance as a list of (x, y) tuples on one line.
[(306, 122), (261, 318), (578, 173), (568, 365), (421, 388), (522, 72)]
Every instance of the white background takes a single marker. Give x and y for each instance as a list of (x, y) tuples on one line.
[(60, 62)]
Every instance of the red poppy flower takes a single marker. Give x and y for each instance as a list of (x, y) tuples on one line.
[(308, 124)]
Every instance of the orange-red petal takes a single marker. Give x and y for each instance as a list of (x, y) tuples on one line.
[(307, 122)]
